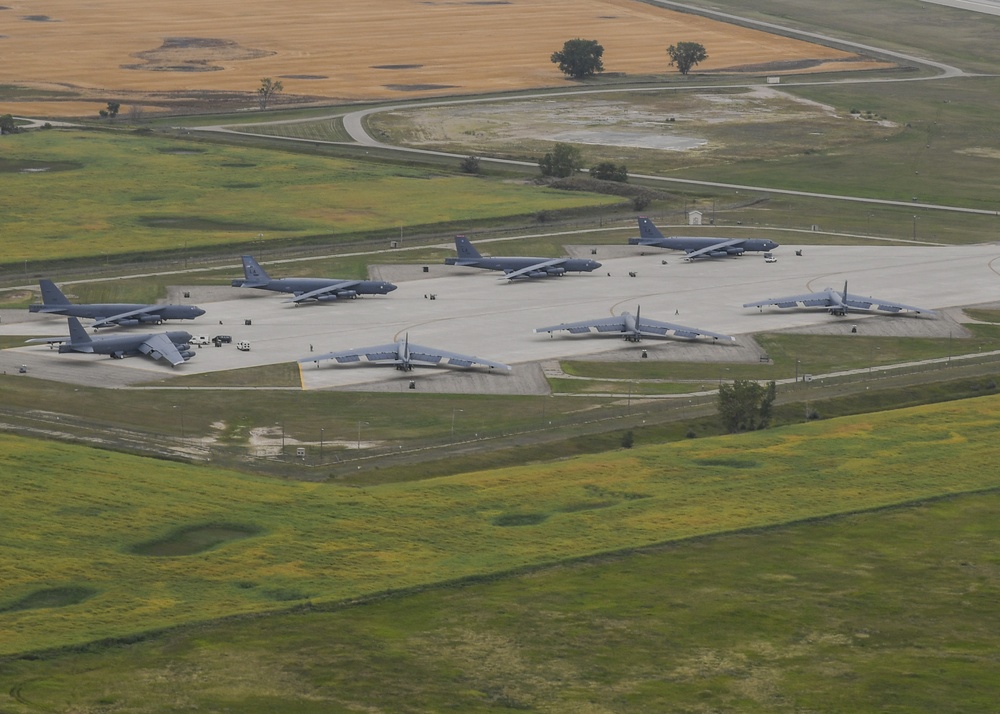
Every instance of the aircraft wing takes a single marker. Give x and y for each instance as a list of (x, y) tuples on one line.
[(379, 353), (114, 319), (431, 355), (607, 324), (390, 353), (654, 328), (718, 246), (48, 340), (531, 268), (811, 300), (159, 346), (872, 303), (323, 291)]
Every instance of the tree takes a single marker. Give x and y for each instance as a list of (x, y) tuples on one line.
[(746, 405), (267, 90), (470, 165), (564, 160), (579, 58), (628, 439), (607, 171), (7, 124), (686, 55)]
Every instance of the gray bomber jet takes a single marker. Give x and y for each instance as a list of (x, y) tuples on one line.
[(54, 302), (171, 346), (633, 328), (305, 289), (649, 235), (403, 355), (518, 267), (839, 303)]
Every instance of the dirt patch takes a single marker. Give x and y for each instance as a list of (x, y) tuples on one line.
[(195, 539), (51, 597), (194, 54)]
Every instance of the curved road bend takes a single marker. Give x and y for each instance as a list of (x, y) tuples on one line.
[(354, 121)]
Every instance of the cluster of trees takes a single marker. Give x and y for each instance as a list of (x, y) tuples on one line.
[(581, 58), (746, 405), (566, 160), (7, 124)]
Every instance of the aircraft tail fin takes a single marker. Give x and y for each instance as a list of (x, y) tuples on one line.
[(648, 231), (845, 289), (254, 274), (466, 251), (51, 295), (77, 334)]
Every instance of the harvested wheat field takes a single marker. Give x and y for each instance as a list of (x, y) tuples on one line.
[(185, 50)]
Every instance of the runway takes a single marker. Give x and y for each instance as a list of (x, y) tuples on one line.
[(473, 312)]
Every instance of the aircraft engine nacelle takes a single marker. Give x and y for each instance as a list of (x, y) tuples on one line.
[(537, 274), (150, 318), (719, 253), (128, 323), (557, 271), (118, 354), (344, 294), (183, 347), (735, 250), (186, 354), (327, 298)]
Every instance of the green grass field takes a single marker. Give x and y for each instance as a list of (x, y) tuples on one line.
[(75, 518), (892, 610), (100, 194)]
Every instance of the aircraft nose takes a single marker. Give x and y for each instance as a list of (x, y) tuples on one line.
[(197, 311), (389, 287)]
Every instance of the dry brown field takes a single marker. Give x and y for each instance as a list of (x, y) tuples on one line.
[(155, 53)]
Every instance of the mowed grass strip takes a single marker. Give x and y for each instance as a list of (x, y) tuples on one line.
[(73, 516), (95, 194), (893, 610)]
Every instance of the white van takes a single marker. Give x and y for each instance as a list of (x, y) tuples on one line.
[(243, 346), (199, 340)]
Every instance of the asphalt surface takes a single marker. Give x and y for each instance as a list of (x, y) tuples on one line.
[(473, 312)]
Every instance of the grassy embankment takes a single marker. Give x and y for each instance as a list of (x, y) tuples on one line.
[(78, 517), (97, 194)]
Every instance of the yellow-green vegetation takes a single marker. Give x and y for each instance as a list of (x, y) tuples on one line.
[(272, 375), (72, 193), (74, 516), (893, 610)]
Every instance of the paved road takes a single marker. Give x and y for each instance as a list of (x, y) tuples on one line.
[(989, 7), (354, 122)]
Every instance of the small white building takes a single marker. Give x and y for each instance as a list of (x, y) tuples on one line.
[(694, 218)]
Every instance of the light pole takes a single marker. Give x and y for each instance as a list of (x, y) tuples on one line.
[(453, 412), (914, 228), (321, 445), (796, 371)]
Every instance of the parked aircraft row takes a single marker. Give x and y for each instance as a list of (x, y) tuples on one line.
[(174, 346)]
